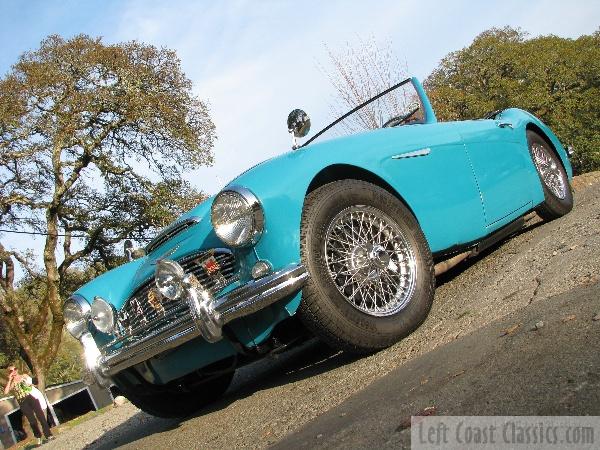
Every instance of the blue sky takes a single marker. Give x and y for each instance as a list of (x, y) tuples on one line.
[(254, 61)]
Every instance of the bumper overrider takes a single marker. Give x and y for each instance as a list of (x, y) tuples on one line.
[(208, 315)]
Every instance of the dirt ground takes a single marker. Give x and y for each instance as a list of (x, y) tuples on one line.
[(541, 360), (274, 398)]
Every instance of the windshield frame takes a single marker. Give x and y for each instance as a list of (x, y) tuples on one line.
[(429, 117)]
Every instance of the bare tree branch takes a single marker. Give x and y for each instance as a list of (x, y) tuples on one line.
[(358, 73)]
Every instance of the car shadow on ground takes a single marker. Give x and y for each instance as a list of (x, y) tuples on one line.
[(305, 361)]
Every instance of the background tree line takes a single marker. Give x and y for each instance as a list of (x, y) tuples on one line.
[(554, 78), (557, 79)]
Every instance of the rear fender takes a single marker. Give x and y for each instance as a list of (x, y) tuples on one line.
[(524, 121)]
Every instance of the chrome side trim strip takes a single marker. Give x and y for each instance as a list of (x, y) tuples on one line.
[(422, 152), (207, 317)]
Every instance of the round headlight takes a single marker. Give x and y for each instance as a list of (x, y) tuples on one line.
[(76, 313), (169, 278), (103, 315), (237, 217)]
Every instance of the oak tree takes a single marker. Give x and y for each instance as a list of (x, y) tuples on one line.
[(94, 139), (556, 79)]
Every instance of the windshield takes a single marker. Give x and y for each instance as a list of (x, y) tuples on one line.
[(396, 106)]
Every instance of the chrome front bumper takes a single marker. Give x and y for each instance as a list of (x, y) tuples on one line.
[(207, 317)]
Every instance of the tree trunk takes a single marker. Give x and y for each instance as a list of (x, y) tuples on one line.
[(49, 351), (39, 379)]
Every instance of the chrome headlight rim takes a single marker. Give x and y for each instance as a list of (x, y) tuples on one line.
[(103, 315), (79, 327), (256, 211), (172, 268)]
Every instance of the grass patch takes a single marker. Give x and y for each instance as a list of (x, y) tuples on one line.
[(87, 416)]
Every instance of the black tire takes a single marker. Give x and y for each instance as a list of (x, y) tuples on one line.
[(173, 400), (324, 309), (558, 197)]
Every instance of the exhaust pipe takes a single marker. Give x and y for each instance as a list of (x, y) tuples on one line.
[(444, 266)]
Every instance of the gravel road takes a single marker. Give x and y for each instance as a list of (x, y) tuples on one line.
[(541, 360), (275, 397)]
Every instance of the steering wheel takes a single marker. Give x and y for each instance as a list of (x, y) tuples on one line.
[(397, 120)]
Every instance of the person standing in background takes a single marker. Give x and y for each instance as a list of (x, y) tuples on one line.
[(37, 394), (20, 386)]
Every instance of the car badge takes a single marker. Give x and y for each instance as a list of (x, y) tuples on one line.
[(213, 269), (211, 266)]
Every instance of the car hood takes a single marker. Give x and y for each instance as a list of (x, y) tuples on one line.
[(118, 284)]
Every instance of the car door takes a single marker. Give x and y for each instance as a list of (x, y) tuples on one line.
[(429, 165), (500, 161)]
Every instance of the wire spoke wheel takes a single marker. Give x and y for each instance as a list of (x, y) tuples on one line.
[(552, 172), (371, 271), (370, 261), (549, 171)]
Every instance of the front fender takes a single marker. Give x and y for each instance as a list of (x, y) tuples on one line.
[(423, 183)]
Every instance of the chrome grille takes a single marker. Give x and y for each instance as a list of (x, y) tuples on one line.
[(146, 310), (169, 232)]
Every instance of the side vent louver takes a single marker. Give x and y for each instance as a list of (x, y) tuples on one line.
[(171, 231)]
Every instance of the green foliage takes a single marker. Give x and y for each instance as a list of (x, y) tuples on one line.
[(29, 297), (9, 355), (554, 78), (9, 349), (68, 364)]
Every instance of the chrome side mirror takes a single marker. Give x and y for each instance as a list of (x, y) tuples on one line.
[(128, 249), (298, 124), (131, 252)]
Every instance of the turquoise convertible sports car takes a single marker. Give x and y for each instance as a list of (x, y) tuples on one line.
[(340, 238)]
